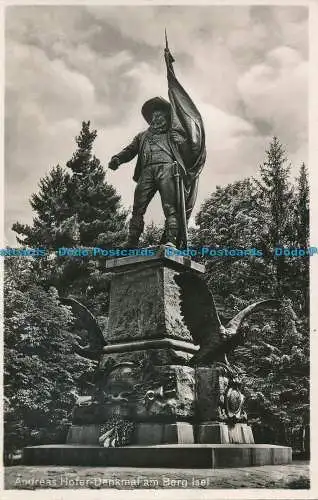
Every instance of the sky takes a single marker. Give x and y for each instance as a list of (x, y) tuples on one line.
[(245, 67)]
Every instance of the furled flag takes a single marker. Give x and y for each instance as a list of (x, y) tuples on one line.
[(186, 120)]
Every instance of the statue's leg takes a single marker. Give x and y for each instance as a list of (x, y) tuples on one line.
[(144, 192), (167, 188)]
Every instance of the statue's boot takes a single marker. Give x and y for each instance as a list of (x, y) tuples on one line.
[(132, 240), (135, 229), (171, 232)]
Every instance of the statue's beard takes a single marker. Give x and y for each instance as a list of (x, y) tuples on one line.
[(158, 126)]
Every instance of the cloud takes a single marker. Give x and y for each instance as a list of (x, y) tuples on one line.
[(276, 92), (45, 103), (245, 67)]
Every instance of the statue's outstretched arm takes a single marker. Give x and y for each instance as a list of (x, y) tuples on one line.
[(129, 152)]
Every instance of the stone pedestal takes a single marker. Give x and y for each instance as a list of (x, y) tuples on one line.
[(145, 299), (146, 394), (144, 384)]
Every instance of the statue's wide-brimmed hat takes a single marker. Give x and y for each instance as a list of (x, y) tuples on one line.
[(154, 104)]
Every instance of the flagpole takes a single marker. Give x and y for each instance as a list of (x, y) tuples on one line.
[(183, 214), (167, 50), (180, 198)]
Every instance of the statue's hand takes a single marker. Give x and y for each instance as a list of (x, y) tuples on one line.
[(114, 163), (176, 136)]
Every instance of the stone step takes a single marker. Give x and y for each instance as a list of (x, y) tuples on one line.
[(203, 456)]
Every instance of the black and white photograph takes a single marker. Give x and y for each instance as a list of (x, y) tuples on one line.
[(157, 249)]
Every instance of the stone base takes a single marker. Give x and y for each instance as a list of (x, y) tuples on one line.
[(221, 433), (144, 434), (152, 434), (187, 456), (83, 435)]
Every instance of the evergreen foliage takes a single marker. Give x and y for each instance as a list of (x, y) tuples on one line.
[(302, 208), (151, 235), (41, 369)]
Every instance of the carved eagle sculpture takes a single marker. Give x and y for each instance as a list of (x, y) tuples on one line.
[(94, 340), (201, 317)]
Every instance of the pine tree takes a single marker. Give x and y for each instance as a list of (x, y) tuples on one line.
[(302, 208), (284, 211), (52, 209), (301, 240), (76, 207), (275, 209), (96, 204)]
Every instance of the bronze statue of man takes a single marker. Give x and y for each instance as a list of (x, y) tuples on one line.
[(171, 154)]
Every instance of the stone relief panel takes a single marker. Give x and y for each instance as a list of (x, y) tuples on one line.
[(134, 392), (136, 305), (145, 304)]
